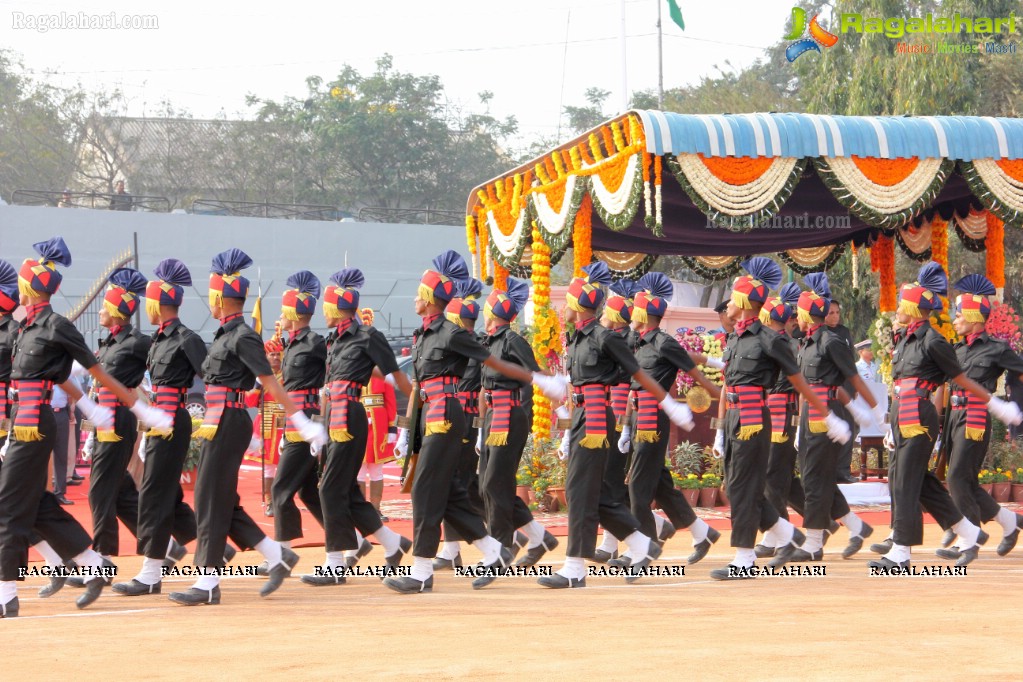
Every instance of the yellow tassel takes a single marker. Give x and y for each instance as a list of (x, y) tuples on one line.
[(818, 426), (765, 317), (293, 437), (740, 300), (618, 428), (639, 315), (911, 309), (3, 433), (497, 438), (435, 428), (779, 437), (804, 316), (27, 433), (107, 436), (594, 442), (747, 432), (974, 434), (205, 432), (913, 431), (645, 436), (160, 433), (340, 435), (426, 293)]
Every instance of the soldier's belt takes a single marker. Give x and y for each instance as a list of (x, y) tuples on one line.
[(281, 420), (89, 427), (373, 400)]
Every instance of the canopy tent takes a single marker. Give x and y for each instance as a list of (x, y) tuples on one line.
[(800, 185)]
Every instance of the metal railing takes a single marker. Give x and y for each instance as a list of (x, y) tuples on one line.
[(85, 312), (412, 216), (266, 209), (92, 200)]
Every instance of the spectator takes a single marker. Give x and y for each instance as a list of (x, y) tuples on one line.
[(65, 200), (59, 403), (120, 200), (866, 365)]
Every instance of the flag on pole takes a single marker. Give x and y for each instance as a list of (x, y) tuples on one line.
[(676, 14), (257, 315)]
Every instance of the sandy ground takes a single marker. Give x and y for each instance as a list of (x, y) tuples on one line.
[(844, 625)]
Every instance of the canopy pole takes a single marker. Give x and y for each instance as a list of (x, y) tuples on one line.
[(660, 59), (625, 74)]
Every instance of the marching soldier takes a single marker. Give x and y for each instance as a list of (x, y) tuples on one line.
[(441, 351), (753, 357), (921, 361), (235, 360), (165, 522), (983, 359), (46, 346)]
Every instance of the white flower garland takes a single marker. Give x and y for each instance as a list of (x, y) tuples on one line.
[(973, 225), (506, 245), (1005, 189), (737, 200), (615, 202), (882, 198), (554, 221)]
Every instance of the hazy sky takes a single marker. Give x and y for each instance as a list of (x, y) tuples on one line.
[(206, 56)]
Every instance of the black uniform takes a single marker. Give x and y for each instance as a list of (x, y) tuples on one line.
[(467, 471), (8, 334), (844, 460), (660, 356), (304, 368), (352, 353), (783, 488), (112, 492), (596, 356), (500, 463), (618, 461), (984, 360), (826, 361), (235, 359), (176, 356), (753, 358), (43, 351), (441, 351), (925, 355)]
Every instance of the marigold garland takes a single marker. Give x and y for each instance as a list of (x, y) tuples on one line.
[(546, 329), (939, 241), (737, 170), (500, 277), (995, 245), (886, 172), (882, 261), (582, 236)]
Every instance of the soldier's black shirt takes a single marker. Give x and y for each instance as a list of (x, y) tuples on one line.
[(826, 358), (661, 356), (176, 356), (124, 356), (236, 357), (46, 349), (506, 345), (472, 379), (783, 385), (8, 334), (755, 357), (597, 355), (304, 362), (925, 354), (444, 349), (352, 354), (631, 339), (986, 359)]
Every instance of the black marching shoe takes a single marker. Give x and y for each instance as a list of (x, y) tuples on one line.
[(440, 563), (80, 580), (636, 568), (560, 582), (196, 597), (622, 561), (784, 554), (333, 577), (667, 532), (955, 553), (764, 552), (175, 554), (56, 583), (278, 572), (733, 572), (519, 542), (365, 547), (229, 552), (534, 554), (392, 561), (10, 609), (701, 548), (405, 584), (801, 556), (93, 588), (135, 588), (602, 557), (263, 568), (948, 538), (493, 570), (887, 564), (882, 547), (856, 541), (829, 531), (1009, 541)]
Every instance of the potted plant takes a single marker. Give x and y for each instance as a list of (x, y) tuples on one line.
[(558, 472), (1002, 486), (690, 486), (709, 484), (1017, 485), (986, 479), (191, 463), (716, 466), (524, 486)]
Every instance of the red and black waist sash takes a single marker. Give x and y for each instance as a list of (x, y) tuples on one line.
[(619, 402), (976, 412), (304, 399), (342, 392), (470, 402), (32, 395), (218, 399), (168, 399), (107, 399), (5, 408), (749, 401), (909, 391), (781, 405), (647, 407), (501, 402), (817, 419), (594, 399), (434, 393)]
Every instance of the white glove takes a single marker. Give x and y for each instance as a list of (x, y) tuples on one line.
[(142, 447), (391, 437), (311, 432), (90, 443), (838, 430), (401, 445), (3, 450), (719, 444), (479, 441), (678, 413), (1006, 412), (795, 439), (863, 416), (714, 363), (77, 370), (101, 417), (390, 379), (889, 438), (626, 440), (151, 416), (554, 387), (566, 442), (880, 414), (562, 412)]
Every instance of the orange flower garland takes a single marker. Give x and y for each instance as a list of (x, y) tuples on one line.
[(882, 261), (546, 329), (995, 245), (484, 251), (470, 237), (500, 277), (582, 235), (738, 170), (939, 241), (885, 172)]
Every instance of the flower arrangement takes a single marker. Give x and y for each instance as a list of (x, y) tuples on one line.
[(986, 476), (547, 343), (696, 343), (999, 476), (685, 459), (883, 345), (942, 323), (689, 482), (710, 480), (1017, 475), (582, 234), (1004, 324)]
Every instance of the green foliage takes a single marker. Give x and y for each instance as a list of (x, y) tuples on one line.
[(194, 448)]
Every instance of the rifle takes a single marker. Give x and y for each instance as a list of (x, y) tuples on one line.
[(415, 440), (944, 448)]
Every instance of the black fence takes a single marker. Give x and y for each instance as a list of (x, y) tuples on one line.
[(254, 209), (411, 216), (92, 200)]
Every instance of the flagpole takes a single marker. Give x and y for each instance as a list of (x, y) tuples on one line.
[(660, 59), (625, 74)]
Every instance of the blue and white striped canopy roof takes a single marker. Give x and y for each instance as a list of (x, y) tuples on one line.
[(806, 135)]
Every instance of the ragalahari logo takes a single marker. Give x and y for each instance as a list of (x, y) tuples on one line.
[(817, 39)]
